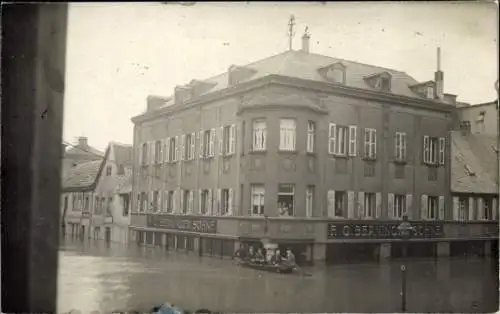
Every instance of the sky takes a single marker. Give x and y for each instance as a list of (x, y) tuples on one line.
[(119, 53)]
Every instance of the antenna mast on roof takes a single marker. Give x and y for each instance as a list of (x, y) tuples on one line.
[(291, 24)]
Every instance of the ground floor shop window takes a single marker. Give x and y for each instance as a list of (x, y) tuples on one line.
[(370, 205), (286, 199)]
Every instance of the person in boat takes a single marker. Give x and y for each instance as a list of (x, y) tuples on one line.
[(259, 257), (276, 259), (240, 254), (289, 261), (251, 253)]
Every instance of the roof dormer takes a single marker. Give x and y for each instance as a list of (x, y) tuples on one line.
[(237, 74), (425, 89), (183, 94), (380, 81), (335, 73)]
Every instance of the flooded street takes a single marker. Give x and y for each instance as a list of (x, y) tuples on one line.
[(95, 276)]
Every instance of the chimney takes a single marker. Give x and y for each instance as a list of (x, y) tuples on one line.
[(82, 141), (305, 41), (439, 77)]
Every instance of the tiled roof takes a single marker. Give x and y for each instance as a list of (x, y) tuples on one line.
[(473, 163), (123, 154), (82, 176), (83, 150), (302, 65)]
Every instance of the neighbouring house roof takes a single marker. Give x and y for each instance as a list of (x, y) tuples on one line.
[(81, 176), (123, 154), (303, 65), (79, 150), (473, 163)]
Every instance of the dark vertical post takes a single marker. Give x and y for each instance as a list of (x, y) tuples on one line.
[(403, 278), (33, 67)]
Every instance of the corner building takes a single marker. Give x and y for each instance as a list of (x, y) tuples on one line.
[(318, 154)]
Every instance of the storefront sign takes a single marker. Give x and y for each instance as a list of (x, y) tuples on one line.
[(202, 225), (381, 231)]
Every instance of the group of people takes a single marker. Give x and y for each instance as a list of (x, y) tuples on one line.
[(259, 257)]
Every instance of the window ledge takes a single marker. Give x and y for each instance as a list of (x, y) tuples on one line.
[(339, 156), (312, 154), (373, 159), (258, 152), (400, 162), (287, 152)]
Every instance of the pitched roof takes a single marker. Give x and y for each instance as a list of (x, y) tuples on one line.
[(83, 150), (123, 153), (82, 176), (303, 65), (473, 163)]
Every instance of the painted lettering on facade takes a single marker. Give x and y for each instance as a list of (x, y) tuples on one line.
[(381, 231), (200, 225)]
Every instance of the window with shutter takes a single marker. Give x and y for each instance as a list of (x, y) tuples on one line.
[(193, 146), (426, 150), (441, 151), (311, 136), (230, 200), (331, 203), (360, 210), (212, 143), (223, 141), (423, 207), (352, 140), (259, 135), (232, 139)]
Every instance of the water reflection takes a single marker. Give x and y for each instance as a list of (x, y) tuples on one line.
[(96, 277)]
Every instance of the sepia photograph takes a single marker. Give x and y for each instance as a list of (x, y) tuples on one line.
[(250, 157)]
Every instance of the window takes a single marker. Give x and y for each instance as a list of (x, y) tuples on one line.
[(126, 204), (170, 202), (86, 204), (463, 205), (487, 208), (207, 142), (480, 117), (399, 206), (430, 92), (228, 140), (369, 168), (257, 200), (287, 135), (108, 205), (311, 136), (173, 149), (158, 152), (185, 205), (121, 170), (400, 146), (370, 205), (338, 75), (432, 207), (340, 203), (342, 138), (385, 84), (108, 170), (259, 135), (155, 201), (370, 143), (97, 208), (399, 171), (190, 146), (309, 201), (144, 201), (204, 202), (144, 154), (224, 202), (434, 150), (286, 199)]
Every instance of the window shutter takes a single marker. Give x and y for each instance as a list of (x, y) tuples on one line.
[(352, 140), (200, 191), (193, 145), (441, 208), (151, 200), (221, 141), (366, 142), (350, 204), (441, 151), (232, 139), (373, 152), (218, 202), (455, 207), (191, 201), (360, 212), (402, 143), (423, 207), (332, 138), (160, 157), (331, 203), (409, 206), (230, 205), (494, 209), (264, 137), (480, 208), (167, 150), (200, 140), (176, 155), (139, 154), (210, 210), (183, 147), (397, 144), (390, 206), (181, 202), (426, 150), (471, 208), (378, 202), (212, 143)]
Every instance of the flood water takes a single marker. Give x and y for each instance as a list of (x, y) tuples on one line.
[(109, 277)]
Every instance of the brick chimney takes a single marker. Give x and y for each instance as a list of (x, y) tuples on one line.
[(305, 41), (439, 77), (83, 141)]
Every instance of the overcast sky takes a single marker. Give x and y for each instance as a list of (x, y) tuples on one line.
[(118, 54)]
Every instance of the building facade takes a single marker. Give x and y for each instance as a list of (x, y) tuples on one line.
[(318, 154), (95, 198)]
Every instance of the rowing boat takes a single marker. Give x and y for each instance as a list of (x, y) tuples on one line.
[(269, 268)]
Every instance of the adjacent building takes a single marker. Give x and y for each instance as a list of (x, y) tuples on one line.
[(75, 154), (95, 201), (319, 154)]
